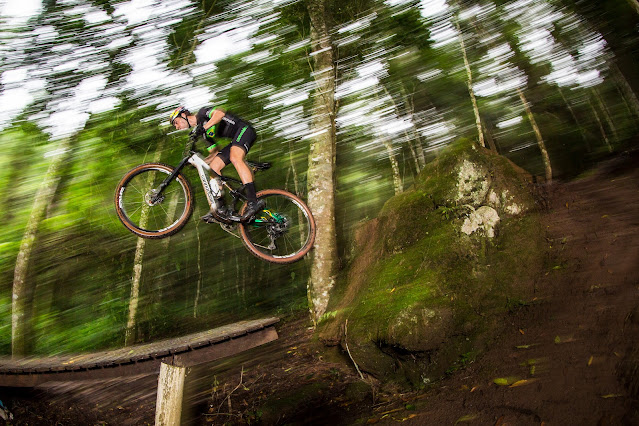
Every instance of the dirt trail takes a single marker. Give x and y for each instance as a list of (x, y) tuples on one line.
[(563, 352)]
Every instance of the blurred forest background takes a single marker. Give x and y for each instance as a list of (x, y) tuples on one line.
[(375, 88)]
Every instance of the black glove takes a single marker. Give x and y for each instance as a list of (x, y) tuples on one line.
[(197, 132)]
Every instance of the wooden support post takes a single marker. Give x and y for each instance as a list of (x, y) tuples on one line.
[(168, 407)]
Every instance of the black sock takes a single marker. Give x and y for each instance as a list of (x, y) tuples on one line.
[(249, 189)]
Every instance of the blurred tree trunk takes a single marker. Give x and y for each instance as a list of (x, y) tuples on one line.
[(321, 164), (540, 141), (134, 300), (601, 127), (388, 144), (574, 117), (22, 289), (410, 109), (296, 185), (489, 137), (199, 264), (415, 153), (397, 178), (607, 116), (634, 4), (628, 93), (471, 92)]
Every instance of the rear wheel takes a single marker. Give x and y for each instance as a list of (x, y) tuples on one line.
[(147, 213), (283, 232)]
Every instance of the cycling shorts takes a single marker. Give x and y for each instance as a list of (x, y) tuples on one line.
[(244, 138)]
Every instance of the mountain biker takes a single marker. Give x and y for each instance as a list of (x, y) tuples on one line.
[(212, 123)]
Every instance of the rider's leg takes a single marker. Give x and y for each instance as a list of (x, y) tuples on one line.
[(217, 164), (245, 173)]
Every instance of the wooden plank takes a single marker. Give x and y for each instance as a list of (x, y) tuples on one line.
[(141, 359)]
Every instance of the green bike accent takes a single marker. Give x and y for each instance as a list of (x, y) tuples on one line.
[(267, 215)]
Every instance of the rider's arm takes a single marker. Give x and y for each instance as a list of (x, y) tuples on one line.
[(216, 117)]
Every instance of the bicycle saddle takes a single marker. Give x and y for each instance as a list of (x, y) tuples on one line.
[(258, 166)]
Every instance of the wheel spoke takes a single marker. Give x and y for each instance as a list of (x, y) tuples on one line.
[(171, 208)]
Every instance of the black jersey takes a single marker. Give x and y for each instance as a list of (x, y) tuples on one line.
[(226, 128)]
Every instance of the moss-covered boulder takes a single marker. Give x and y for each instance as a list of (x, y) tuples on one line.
[(437, 268)]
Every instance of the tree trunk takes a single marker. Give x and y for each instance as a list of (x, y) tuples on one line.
[(471, 92), (574, 117), (607, 116), (410, 108), (489, 137), (601, 128), (131, 324), (629, 94), (199, 266), (296, 186), (634, 4), (321, 167), (22, 289), (397, 179), (418, 155), (540, 140)]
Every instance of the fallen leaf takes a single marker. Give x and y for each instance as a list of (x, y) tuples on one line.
[(590, 361), (612, 395), (474, 388), (526, 346), (557, 339), (505, 381), (523, 382), (604, 216), (392, 290), (521, 331), (466, 418)]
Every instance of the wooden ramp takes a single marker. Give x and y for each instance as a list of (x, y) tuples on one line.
[(140, 359)]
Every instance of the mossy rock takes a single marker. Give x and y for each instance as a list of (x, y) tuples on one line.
[(424, 279)]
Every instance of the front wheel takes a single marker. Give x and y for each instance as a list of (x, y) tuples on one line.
[(283, 232), (146, 211)]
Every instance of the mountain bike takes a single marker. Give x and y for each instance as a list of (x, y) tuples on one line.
[(155, 200)]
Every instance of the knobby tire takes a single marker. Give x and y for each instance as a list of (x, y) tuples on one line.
[(136, 189), (296, 205)]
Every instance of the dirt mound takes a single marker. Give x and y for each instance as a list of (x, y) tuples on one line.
[(436, 266), (570, 356)]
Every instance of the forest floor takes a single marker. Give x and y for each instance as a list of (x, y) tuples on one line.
[(560, 358)]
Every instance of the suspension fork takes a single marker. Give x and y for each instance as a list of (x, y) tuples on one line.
[(169, 178)]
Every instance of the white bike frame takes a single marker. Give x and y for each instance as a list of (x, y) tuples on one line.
[(204, 171)]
